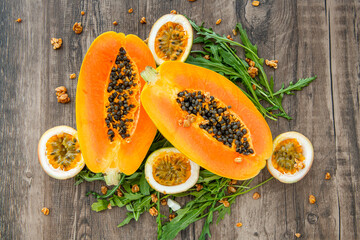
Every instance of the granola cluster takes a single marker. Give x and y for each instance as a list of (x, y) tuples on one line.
[(61, 94), (77, 28), (272, 63), (56, 42), (45, 211), (143, 20), (252, 70)]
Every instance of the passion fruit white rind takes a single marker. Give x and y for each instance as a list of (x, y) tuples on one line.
[(44, 162), (308, 153), (191, 181), (173, 205), (175, 18)]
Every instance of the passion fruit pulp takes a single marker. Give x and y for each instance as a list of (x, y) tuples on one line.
[(59, 152), (169, 171), (288, 156), (292, 157), (63, 151), (171, 38)]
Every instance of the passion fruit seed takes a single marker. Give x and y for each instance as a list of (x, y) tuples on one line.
[(171, 41), (63, 151), (287, 155), (123, 90), (171, 169), (219, 121)]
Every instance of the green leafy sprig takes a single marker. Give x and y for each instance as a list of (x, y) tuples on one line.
[(203, 203), (224, 60)]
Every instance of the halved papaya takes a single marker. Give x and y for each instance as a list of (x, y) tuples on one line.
[(114, 130), (208, 118)]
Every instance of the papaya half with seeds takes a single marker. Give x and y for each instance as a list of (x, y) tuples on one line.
[(207, 118), (114, 130)]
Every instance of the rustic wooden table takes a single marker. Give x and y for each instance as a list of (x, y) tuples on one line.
[(307, 37)]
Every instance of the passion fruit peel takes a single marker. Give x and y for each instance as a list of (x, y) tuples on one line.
[(169, 171), (59, 153), (171, 38), (288, 172)]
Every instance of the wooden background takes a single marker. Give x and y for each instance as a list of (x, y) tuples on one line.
[(307, 37)]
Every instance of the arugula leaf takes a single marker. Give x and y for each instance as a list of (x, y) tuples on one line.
[(298, 86), (86, 175), (215, 53), (217, 67), (100, 205), (198, 194), (171, 229), (158, 218), (133, 196), (129, 207), (253, 54), (205, 176), (259, 62), (210, 34), (137, 215), (127, 187), (181, 213), (116, 201), (223, 211), (167, 144), (144, 186), (229, 59), (272, 83), (208, 179), (199, 39), (157, 145), (206, 227), (134, 176), (128, 218), (143, 203)]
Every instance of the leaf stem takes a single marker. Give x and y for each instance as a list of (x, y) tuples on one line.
[(112, 191), (158, 218), (250, 189), (92, 179)]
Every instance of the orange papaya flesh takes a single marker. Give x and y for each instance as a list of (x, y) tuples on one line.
[(193, 132), (113, 128)]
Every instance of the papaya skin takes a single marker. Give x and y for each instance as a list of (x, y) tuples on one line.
[(100, 154), (159, 100)]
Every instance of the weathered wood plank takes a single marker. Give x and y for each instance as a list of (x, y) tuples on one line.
[(307, 37), (285, 31), (345, 76), (21, 180)]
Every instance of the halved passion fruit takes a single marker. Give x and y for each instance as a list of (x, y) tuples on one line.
[(169, 171), (59, 152), (292, 157), (171, 38)]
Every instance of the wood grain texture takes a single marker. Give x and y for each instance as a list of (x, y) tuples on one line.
[(307, 37), (345, 55)]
